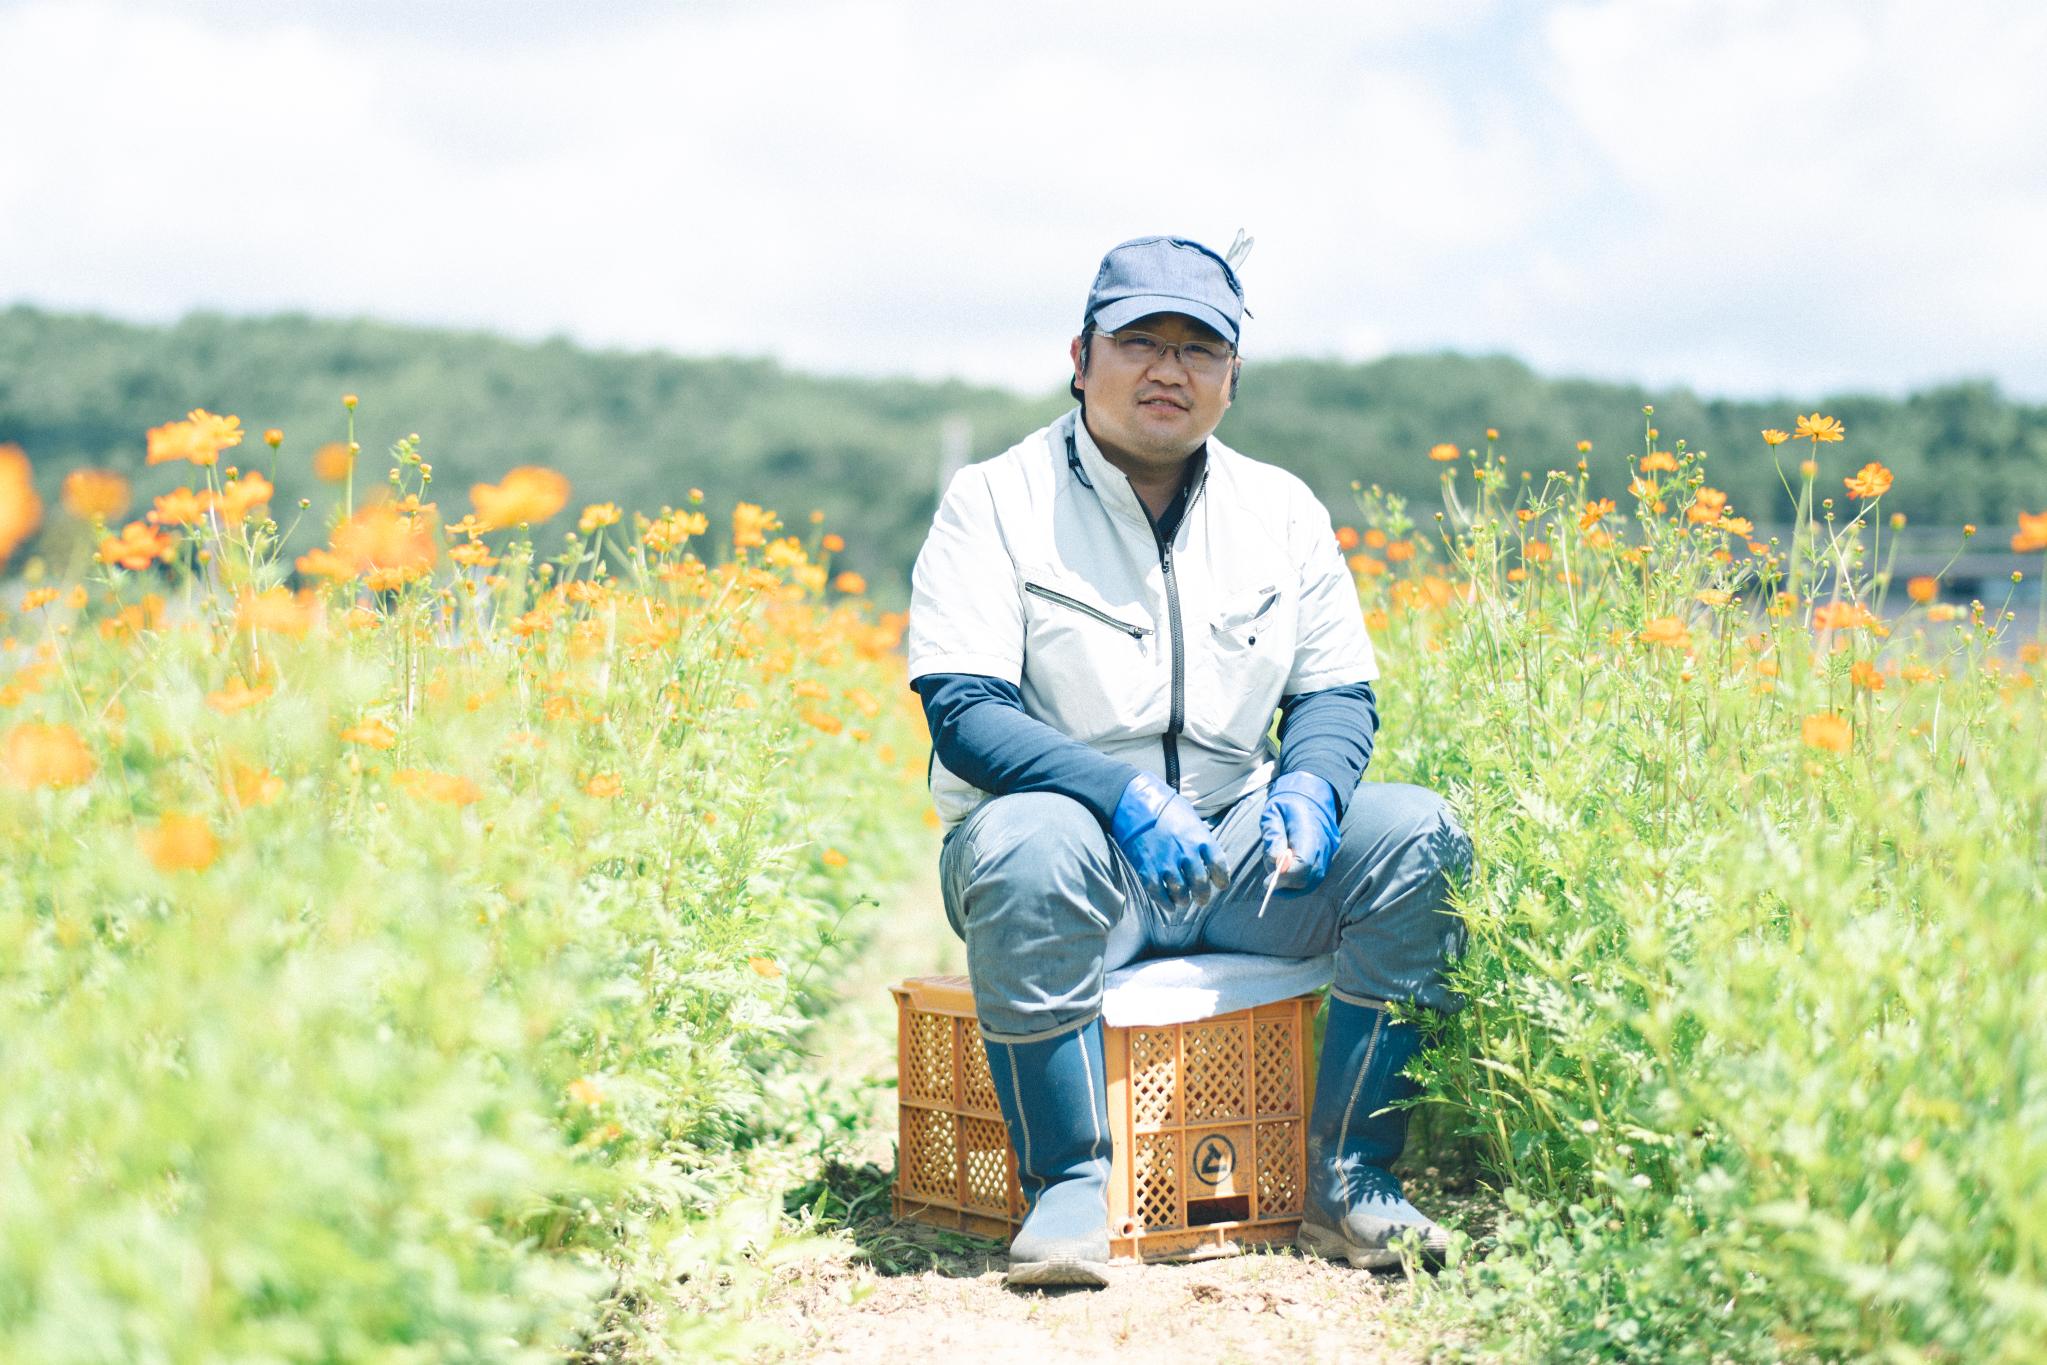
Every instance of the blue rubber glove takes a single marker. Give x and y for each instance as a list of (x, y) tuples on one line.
[(1168, 844), (1300, 814)]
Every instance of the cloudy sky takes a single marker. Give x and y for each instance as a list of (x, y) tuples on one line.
[(1753, 198)]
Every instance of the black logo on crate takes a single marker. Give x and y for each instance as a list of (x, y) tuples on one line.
[(1214, 1159)]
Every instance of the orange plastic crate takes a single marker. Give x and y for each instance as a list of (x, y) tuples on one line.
[(1207, 1121)]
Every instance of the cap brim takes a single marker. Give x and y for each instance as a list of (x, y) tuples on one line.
[(1119, 313)]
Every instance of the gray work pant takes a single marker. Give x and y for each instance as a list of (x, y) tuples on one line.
[(1047, 904)]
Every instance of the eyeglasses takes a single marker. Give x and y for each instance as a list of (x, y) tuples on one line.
[(1203, 359)]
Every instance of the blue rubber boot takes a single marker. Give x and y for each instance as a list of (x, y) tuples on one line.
[(1355, 1211), (1055, 1101)]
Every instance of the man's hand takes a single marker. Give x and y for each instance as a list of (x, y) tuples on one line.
[(1168, 844), (1300, 815)]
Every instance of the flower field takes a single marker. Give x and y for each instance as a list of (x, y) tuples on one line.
[(402, 942), (393, 967), (1757, 1036)]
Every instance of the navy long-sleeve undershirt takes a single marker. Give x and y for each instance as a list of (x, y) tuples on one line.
[(981, 732)]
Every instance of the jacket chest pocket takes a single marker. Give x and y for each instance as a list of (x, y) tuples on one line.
[(1248, 647), (1087, 662)]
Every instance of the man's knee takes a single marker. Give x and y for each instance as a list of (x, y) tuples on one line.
[(1410, 825), (1039, 851)]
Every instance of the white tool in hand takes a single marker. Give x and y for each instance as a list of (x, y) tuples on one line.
[(1286, 858)]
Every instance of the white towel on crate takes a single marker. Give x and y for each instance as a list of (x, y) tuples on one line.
[(1179, 990)]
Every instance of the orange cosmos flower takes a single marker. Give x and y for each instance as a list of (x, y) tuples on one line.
[(253, 786), (21, 510), (1659, 461), (850, 583), (1871, 481), (1922, 589), (1667, 631), (1842, 616), (823, 720), (2032, 534), (179, 843), (587, 1092), (95, 494), (1714, 597), (473, 553), (831, 857), (1737, 526), (1536, 552), (180, 507), (324, 563), (598, 514), (1817, 429), (1346, 538), (750, 526), (1707, 505), (765, 967), (199, 438), (1864, 675), (603, 786), (137, 547), (528, 496), (241, 496), (1443, 452), (833, 542), (1593, 512), (35, 756), (1827, 732), (1375, 539), (1366, 566), (450, 789), (1774, 437), (333, 461), (274, 610), (372, 733), (380, 537), (237, 696), (1400, 551)]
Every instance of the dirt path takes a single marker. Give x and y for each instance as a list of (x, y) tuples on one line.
[(881, 1291)]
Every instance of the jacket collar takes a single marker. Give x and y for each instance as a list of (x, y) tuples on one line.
[(1111, 485)]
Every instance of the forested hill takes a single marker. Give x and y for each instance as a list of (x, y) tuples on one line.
[(642, 428)]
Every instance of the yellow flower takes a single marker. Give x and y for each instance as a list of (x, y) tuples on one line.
[(1443, 452), (1817, 429), (585, 1091), (831, 857), (273, 437), (598, 514), (1584, 447), (603, 786), (529, 495), (199, 438), (765, 967), (253, 786), (1871, 481), (44, 756), (1828, 732), (1659, 461), (21, 509), (1774, 437), (179, 843), (94, 495), (1714, 597)]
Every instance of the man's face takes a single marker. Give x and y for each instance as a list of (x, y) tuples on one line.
[(1153, 414)]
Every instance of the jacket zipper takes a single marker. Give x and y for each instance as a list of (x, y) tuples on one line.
[(1134, 632), (1177, 721)]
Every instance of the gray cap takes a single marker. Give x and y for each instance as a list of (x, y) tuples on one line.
[(1147, 275)]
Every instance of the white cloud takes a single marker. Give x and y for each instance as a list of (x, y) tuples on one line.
[(1732, 194)]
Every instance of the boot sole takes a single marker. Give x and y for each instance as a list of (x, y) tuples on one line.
[(1329, 1244), (1055, 1274)]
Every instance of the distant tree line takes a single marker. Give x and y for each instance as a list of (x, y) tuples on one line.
[(642, 428)]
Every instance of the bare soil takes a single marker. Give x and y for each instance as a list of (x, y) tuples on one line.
[(878, 1290)]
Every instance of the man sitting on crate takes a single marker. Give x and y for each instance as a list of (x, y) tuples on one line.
[(1104, 619)]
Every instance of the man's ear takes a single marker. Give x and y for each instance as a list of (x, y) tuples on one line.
[(1079, 371), (1236, 373)]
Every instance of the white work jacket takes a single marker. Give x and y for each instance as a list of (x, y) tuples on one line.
[(1042, 568)]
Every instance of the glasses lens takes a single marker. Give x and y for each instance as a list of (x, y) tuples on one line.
[(1199, 357)]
